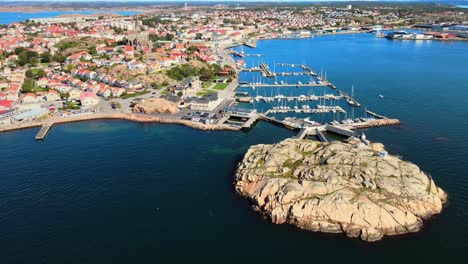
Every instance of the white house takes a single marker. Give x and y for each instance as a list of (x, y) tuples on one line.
[(89, 99)]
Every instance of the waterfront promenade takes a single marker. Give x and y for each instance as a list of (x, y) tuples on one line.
[(141, 118)]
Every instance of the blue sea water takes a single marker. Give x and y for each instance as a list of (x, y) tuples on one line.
[(11, 17), (122, 192)]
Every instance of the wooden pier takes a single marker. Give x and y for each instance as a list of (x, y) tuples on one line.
[(43, 131)]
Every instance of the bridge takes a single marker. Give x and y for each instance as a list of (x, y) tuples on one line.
[(320, 136), (340, 131)]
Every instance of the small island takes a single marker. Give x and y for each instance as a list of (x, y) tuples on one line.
[(354, 187)]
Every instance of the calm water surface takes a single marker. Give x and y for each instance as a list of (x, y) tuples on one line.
[(121, 192)]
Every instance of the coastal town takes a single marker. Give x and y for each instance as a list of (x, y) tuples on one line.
[(180, 65), (293, 91)]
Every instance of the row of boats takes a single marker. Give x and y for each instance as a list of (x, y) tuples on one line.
[(306, 109), (349, 121), (254, 84), (307, 122), (300, 98)]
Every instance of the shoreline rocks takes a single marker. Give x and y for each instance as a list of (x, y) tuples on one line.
[(338, 187)]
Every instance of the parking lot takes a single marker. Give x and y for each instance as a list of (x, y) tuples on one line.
[(202, 117)]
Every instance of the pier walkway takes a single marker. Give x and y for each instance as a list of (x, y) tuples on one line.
[(309, 70), (293, 73), (236, 54), (320, 136), (303, 133), (347, 97), (252, 43), (43, 131), (266, 70), (340, 131), (249, 123), (376, 115), (265, 85)]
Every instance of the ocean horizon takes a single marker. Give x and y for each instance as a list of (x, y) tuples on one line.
[(12, 17)]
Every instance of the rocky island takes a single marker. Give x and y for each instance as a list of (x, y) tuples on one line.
[(348, 187)]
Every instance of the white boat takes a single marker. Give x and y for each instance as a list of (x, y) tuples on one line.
[(381, 96)]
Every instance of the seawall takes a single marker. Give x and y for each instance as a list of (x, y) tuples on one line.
[(121, 116)]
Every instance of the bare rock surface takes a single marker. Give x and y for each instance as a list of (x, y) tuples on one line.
[(156, 105), (338, 187)]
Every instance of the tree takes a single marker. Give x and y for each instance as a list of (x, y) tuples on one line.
[(46, 57), (198, 36), (92, 50), (59, 57), (28, 57), (180, 94), (206, 74), (28, 85), (39, 73), (154, 85), (34, 61), (19, 50), (29, 74), (68, 68), (192, 49)]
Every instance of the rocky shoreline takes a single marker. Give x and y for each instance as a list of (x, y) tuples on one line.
[(140, 118), (338, 187)]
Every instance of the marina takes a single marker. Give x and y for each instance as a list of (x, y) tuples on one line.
[(300, 99)]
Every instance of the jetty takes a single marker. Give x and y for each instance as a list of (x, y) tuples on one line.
[(376, 115), (251, 43), (309, 70), (329, 109), (266, 70), (43, 131), (267, 85), (236, 54), (301, 98), (293, 73), (249, 123), (349, 98), (253, 69)]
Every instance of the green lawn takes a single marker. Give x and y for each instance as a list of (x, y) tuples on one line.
[(39, 89), (205, 92), (220, 86), (125, 96)]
